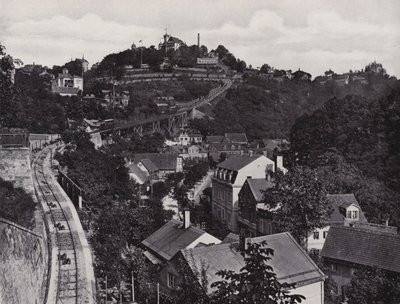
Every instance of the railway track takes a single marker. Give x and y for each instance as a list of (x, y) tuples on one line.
[(67, 272)]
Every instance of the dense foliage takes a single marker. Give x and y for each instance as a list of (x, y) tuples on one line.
[(16, 205), (360, 138), (374, 286), (299, 201)]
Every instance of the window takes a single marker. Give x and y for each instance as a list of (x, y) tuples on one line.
[(325, 234), (223, 214), (316, 235), (334, 267), (229, 216), (171, 280), (355, 214), (349, 214)]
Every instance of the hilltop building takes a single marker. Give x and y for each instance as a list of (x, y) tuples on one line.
[(66, 84), (170, 43)]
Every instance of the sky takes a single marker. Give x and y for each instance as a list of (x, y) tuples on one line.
[(287, 34)]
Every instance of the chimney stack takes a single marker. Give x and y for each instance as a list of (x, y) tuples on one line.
[(198, 41), (186, 219), (250, 153), (279, 162)]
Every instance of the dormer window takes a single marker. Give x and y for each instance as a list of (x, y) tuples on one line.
[(352, 214)]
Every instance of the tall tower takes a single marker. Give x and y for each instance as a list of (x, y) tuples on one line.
[(198, 41)]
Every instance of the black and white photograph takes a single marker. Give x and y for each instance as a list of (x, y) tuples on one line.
[(199, 152)]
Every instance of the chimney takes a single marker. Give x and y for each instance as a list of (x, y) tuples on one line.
[(279, 161), (250, 153), (198, 41), (186, 219), (241, 152), (244, 241)]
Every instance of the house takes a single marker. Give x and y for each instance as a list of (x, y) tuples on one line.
[(290, 263), (158, 165), (229, 144), (117, 99), (229, 177), (207, 61), (359, 78), (345, 212), (342, 80), (143, 181), (166, 242), (171, 43), (188, 137), (66, 84), (31, 68), (253, 220), (301, 75), (349, 248), (236, 138), (190, 152)]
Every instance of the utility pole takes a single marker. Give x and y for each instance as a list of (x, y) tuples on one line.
[(106, 289), (158, 293), (133, 288)]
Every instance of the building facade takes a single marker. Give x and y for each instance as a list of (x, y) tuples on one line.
[(229, 177)]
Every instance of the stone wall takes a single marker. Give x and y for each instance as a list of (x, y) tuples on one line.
[(15, 166), (23, 264)]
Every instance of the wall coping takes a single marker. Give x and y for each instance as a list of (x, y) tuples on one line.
[(10, 223)]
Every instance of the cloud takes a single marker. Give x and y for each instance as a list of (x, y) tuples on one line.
[(313, 35)]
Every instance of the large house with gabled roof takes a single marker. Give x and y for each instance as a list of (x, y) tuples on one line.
[(229, 177), (347, 249), (290, 263)]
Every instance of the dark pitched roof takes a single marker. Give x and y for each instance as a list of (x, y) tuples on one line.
[(236, 137), (339, 203), (257, 186), (237, 162), (163, 161), (363, 246), (174, 39), (170, 238), (150, 166), (214, 139), (214, 257), (231, 237), (290, 262)]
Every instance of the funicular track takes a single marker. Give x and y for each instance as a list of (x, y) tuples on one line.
[(67, 272)]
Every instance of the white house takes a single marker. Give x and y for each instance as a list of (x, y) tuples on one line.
[(229, 177), (346, 212), (66, 84)]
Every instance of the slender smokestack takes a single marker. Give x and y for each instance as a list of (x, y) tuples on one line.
[(186, 219), (198, 41)]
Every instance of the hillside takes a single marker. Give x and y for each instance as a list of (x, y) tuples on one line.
[(267, 108)]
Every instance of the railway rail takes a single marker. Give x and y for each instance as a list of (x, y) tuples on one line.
[(67, 272)]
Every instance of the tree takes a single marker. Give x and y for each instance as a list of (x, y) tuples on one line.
[(255, 283), (266, 68), (374, 286), (300, 201)]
